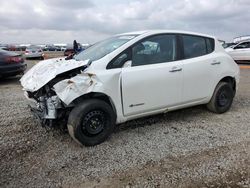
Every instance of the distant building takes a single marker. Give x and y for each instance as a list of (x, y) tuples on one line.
[(60, 45)]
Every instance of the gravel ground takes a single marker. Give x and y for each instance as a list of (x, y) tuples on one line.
[(186, 148)]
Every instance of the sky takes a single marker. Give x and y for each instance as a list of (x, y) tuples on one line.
[(62, 21)]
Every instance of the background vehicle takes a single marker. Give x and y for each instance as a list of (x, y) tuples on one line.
[(129, 76), (51, 48), (68, 51), (240, 52), (11, 64), (34, 52)]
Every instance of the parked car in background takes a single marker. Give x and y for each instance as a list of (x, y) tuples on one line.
[(11, 64), (3, 47), (34, 52), (129, 76), (240, 52), (51, 48), (68, 51)]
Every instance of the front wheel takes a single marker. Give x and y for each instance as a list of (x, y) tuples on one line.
[(222, 98), (91, 122)]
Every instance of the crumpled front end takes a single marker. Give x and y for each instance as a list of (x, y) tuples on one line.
[(38, 84), (51, 104), (47, 108)]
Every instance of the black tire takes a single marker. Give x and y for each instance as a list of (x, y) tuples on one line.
[(222, 98), (91, 122)]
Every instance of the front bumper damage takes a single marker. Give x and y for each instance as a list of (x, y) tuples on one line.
[(46, 110)]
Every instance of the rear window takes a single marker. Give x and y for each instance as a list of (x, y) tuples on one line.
[(195, 46)]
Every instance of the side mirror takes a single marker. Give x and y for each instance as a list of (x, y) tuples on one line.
[(127, 64)]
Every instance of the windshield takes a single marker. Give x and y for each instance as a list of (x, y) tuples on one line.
[(101, 49)]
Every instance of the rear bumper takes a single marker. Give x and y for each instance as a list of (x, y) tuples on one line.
[(12, 69)]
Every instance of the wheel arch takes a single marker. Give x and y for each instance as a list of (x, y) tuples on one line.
[(231, 80), (96, 95), (228, 79)]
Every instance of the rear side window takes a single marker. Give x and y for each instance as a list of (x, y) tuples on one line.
[(210, 45), (195, 46)]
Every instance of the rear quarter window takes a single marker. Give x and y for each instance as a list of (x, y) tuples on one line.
[(210, 45), (195, 46)]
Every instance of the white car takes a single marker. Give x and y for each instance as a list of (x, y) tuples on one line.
[(129, 76), (34, 52), (240, 52)]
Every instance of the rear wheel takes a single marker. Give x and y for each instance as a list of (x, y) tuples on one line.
[(91, 122), (222, 98)]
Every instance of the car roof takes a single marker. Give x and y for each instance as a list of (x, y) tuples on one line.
[(152, 32), (33, 46), (247, 40)]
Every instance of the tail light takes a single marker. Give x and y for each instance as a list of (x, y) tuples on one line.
[(14, 60)]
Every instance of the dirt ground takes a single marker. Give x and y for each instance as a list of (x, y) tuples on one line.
[(186, 148)]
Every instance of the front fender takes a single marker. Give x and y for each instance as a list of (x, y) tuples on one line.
[(70, 89)]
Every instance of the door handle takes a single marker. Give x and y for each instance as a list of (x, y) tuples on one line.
[(176, 70), (215, 63)]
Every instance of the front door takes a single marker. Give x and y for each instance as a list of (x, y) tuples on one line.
[(154, 80)]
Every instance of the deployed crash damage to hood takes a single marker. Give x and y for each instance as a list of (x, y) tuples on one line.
[(43, 72), (52, 85)]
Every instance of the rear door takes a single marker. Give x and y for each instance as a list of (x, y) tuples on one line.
[(200, 67), (154, 80)]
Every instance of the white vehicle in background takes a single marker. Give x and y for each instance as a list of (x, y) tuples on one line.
[(34, 52), (129, 76), (240, 52)]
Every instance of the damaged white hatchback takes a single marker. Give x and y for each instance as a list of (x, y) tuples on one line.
[(129, 76)]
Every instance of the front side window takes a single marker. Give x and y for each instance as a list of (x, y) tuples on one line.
[(101, 49), (118, 61), (194, 46), (243, 45), (155, 49)]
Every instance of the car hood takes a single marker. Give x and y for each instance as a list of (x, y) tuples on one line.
[(44, 71)]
